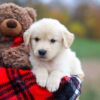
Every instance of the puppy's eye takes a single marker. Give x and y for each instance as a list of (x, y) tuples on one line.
[(36, 39), (52, 40)]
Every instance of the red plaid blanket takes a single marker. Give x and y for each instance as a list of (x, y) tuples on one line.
[(18, 84)]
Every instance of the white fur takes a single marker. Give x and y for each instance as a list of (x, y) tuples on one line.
[(60, 61)]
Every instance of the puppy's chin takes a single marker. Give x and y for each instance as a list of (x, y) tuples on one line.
[(44, 59), (41, 58)]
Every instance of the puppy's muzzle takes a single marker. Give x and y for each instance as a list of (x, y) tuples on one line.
[(42, 52)]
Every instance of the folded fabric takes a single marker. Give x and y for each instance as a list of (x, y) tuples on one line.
[(19, 84)]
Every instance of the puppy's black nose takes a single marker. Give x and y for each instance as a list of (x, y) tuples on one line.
[(42, 52)]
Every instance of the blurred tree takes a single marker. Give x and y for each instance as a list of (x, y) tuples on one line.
[(93, 22), (78, 28), (47, 11), (89, 16)]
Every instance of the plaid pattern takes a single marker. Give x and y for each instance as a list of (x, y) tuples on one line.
[(19, 84), (76, 85), (70, 90)]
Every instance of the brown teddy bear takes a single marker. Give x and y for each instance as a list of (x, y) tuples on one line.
[(14, 20)]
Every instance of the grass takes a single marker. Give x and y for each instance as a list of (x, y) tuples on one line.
[(90, 92), (86, 48), (90, 95)]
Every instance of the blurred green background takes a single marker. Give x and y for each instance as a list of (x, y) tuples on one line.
[(82, 17)]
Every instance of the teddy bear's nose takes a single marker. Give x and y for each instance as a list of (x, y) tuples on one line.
[(11, 24), (10, 27)]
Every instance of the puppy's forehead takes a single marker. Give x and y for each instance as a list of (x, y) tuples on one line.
[(47, 30)]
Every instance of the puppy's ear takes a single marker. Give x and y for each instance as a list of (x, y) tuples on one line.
[(68, 38), (27, 36)]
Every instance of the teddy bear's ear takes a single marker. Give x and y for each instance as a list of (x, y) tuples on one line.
[(31, 12)]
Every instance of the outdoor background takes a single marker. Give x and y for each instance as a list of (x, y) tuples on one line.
[(82, 17)]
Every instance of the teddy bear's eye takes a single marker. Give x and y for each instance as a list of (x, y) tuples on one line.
[(37, 39), (52, 40)]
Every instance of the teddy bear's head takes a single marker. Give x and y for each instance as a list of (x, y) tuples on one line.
[(14, 20)]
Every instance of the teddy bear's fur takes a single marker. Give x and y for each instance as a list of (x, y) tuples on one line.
[(16, 57), (14, 20)]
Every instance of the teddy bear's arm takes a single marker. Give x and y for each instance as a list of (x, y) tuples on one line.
[(16, 57)]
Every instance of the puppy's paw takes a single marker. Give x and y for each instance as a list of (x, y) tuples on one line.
[(41, 76), (53, 83), (41, 80)]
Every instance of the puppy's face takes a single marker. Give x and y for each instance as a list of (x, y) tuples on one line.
[(46, 45), (47, 39)]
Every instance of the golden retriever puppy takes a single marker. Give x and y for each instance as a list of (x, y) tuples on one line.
[(50, 53)]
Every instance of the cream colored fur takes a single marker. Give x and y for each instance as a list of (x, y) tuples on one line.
[(59, 60)]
